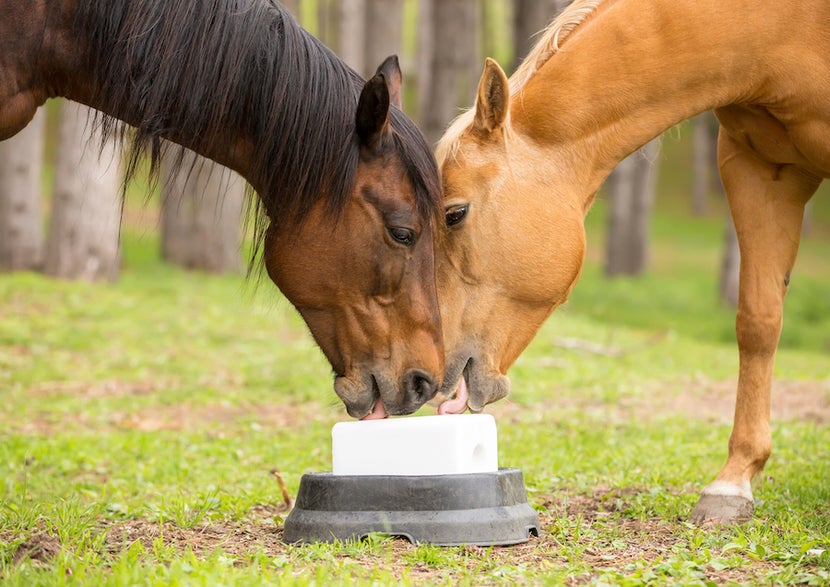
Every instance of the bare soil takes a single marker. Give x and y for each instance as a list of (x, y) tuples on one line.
[(643, 540), (701, 399)]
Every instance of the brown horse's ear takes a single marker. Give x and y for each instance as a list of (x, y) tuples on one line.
[(493, 98), (391, 69), (372, 111)]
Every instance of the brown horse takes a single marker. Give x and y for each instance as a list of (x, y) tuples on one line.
[(521, 169), (347, 187)]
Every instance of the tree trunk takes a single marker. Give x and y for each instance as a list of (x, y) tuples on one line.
[(201, 214), (21, 221), (631, 194), (353, 20), (86, 202), (705, 175), (455, 26), (384, 31), (807, 223), (731, 266), (529, 18), (424, 56)]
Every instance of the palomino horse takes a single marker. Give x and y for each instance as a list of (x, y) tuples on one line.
[(347, 187), (521, 169)]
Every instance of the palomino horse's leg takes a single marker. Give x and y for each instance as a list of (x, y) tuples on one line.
[(767, 203)]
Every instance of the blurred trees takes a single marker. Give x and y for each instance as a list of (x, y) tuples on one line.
[(530, 17), (705, 178), (441, 45), (353, 35), (631, 192), (455, 63), (85, 207), (21, 170), (201, 211), (86, 201), (383, 33)]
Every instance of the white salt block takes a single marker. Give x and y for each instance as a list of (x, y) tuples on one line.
[(421, 445)]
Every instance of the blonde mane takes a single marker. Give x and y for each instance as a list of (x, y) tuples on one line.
[(549, 43)]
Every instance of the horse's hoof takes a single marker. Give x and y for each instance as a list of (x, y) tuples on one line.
[(722, 509)]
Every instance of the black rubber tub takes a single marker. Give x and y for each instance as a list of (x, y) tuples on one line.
[(477, 508)]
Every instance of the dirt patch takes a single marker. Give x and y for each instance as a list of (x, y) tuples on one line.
[(257, 532), (696, 398), (102, 389), (715, 400), (170, 417), (630, 541), (40, 548), (699, 399)]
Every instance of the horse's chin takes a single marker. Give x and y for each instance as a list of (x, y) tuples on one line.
[(359, 397), (468, 387), (486, 388)]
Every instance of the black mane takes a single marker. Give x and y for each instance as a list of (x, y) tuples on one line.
[(194, 69)]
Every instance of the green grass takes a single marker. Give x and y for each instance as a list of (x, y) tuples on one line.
[(140, 423)]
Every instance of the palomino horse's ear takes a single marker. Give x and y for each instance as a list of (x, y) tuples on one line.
[(372, 111), (394, 78), (493, 98)]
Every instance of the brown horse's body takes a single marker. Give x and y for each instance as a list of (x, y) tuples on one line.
[(347, 184), (606, 77)]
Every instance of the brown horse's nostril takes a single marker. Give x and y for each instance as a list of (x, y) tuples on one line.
[(419, 387)]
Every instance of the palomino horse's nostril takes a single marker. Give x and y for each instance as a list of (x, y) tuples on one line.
[(419, 387)]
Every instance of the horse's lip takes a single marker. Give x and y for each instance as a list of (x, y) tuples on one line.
[(460, 399), (464, 373), (378, 409)]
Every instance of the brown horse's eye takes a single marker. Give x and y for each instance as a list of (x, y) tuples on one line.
[(455, 215), (404, 236)]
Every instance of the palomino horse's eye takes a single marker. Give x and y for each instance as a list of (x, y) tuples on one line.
[(403, 236), (455, 214)]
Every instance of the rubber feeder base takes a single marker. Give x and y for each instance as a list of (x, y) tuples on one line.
[(478, 508)]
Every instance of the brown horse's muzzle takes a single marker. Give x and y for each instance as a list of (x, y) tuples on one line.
[(370, 392)]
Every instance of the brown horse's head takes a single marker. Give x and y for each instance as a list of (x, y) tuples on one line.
[(512, 246), (363, 278), (347, 187)]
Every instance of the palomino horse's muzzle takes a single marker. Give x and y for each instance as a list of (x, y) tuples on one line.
[(473, 378)]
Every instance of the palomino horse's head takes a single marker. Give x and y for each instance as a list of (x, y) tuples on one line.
[(511, 249), (364, 278)]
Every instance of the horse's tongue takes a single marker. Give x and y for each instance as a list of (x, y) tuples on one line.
[(459, 403), (378, 413)]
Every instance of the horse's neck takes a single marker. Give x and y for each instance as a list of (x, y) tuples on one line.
[(632, 70)]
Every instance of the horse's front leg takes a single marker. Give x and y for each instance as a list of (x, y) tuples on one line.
[(767, 204)]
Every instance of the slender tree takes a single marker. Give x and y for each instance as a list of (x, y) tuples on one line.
[(529, 18), (423, 58), (201, 215), (21, 222), (631, 189), (384, 31), (731, 265), (456, 65), (353, 17), (86, 202), (705, 176)]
